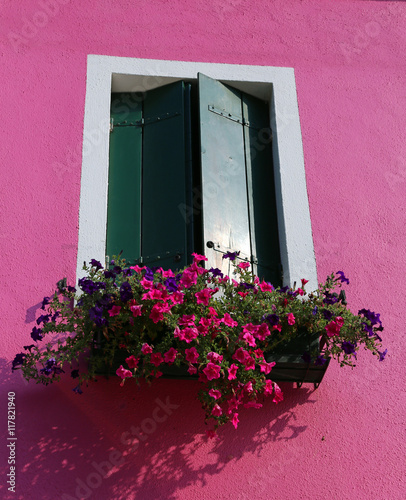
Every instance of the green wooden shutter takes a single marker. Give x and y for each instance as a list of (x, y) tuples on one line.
[(166, 182), (239, 211), (150, 179), (124, 191), (261, 190)]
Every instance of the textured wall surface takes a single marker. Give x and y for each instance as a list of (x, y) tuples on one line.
[(343, 441)]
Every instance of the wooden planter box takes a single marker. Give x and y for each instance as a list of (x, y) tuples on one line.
[(289, 367)]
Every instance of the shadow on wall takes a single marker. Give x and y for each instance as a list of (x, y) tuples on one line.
[(138, 442)]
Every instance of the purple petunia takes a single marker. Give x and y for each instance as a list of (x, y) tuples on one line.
[(320, 360), (45, 302), (348, 347), (231, 255), (77, 390), (95, 263), (18, 360), (382, 354), (36, 334), (90, 287), (342, 278), (126, 293), (273, 319)]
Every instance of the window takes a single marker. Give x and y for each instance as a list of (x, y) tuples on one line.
[(191, 170), (274, 85)]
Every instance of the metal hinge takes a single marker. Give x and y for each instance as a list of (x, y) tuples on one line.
[(142, 122), (236, 118)]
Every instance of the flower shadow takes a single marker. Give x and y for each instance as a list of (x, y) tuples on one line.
[(133, 442)]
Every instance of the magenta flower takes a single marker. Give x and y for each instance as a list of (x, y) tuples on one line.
[(214, 393), (232, 372), (192, 370), (229, 321), (191, 355), (278, 396), (203, 297), (214, 357), (198, 258), (123, 373), (267, 367), (212, 371), (188, 279), (235, 420), (332, 329), (156, 358), (216, 411), (146, 349), (170, 356), (248, 337), (132, 361), (291, 319), (115, 311), (266, 287), (187, 320), (240, 355), (244, 265), (252, 404), (268, 387)]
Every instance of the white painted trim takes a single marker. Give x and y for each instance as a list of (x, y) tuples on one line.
[(106, 74)]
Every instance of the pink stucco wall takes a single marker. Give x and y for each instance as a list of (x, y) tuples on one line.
[(343, 441)]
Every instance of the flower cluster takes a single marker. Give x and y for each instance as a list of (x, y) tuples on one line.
[(140, 322)]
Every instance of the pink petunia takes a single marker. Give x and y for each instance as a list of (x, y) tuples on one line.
[(240, 355), (332, 329), (278, 394), (212, 371), (229, 321), (192, 370), (123, 373), (177, 297), (244, 265), (146, 349), (267, 367), (137, 268), (115, 310), (187, 320), (203, 297), (214, 393), (216, 411), (132, 361), (291, 319), (266, 287), (268, 389), (340, 321), (248, 337), (191, 355), (188, 279), (156, 358), (214, 357), (170, 356), (232, 372), (235, 420), (249, 363), (136, 310), (198, 258)]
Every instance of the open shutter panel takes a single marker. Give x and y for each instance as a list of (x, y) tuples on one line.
[(224, 186), (239, 209), (261, 190), (166, 177), (124, 192)]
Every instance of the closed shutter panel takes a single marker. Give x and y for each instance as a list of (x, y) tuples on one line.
[(239, 211), (261, 190), (150, 179), (124, 192), (166, 182)]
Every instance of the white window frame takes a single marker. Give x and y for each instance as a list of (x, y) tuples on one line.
[(107, 74)]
